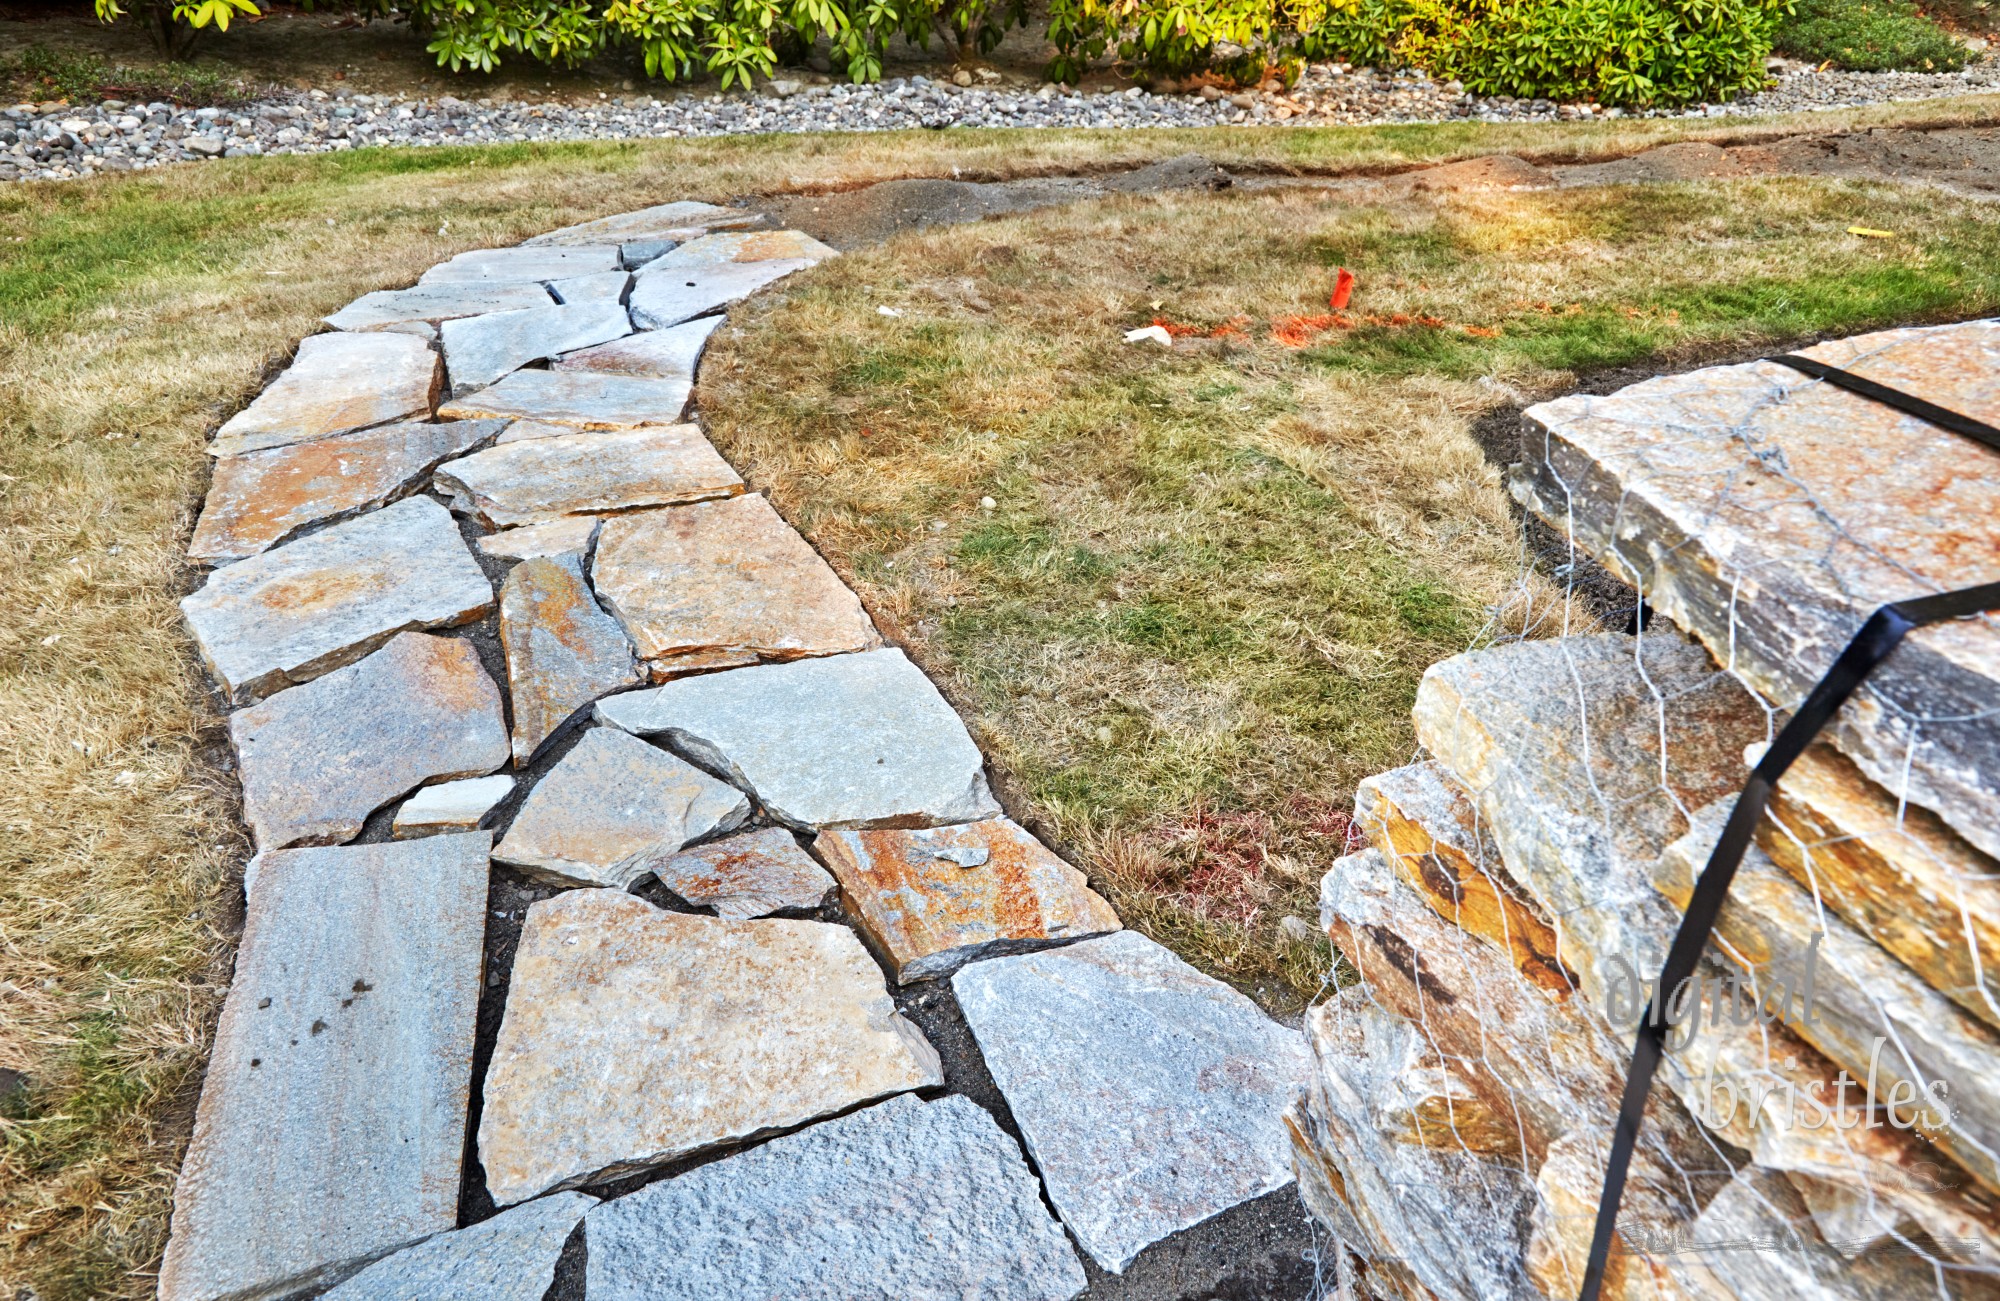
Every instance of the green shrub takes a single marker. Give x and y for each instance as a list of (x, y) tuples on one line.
[(1869, 36)]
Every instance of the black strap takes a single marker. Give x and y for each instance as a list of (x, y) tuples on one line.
[(1907, 403)]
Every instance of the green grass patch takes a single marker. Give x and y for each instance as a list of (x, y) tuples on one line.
[(1869, 36), (43, 73)]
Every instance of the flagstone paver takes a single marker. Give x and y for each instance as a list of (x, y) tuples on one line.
[(523, 431), (310, 606), (259, 499), (905, 1199), (332, 1119), (562, 650), (601, 287), (848, 740), (681, 219), (723, 578), (501, 265), (336, 383), (571, 398), (745, 246), (663, 296), (511, 1257), (1149, 1095), (543, 479), (387, 309), (651, 354), (633, 1036), (481, 349), (315, 761), (610, 808), (451, 806), (571, 535), (750, 875), (931, 900)]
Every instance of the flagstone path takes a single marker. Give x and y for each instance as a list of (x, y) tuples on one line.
[(473, 611)]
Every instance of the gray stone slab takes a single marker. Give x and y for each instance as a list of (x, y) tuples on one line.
[(602, 287), (501, 265), (611, 808), (562, 650), (671, 353), (905, 1200), (332, 1118), (750, 875), (662, 221), (337, 382), (390, 309), (260, 499), (850, 740), (543, 479), (310, 606), (480, 349), (511, 1257), (318, 759), (746, 246), (569, 536), (451, 806), (568, 398), (1150, 1096), (664, 296)]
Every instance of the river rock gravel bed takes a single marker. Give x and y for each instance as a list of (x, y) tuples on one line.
[(57, 141)]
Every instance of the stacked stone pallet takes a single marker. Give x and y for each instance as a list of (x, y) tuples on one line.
[(740, 817), (1522, 881)]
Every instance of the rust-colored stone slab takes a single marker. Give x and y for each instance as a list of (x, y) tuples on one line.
[(582, 399), (633, 1036), (259, 499), (651, 354), (745, 246), (336, 383), (562, 650), (724, 578), (318, 759), (934, 899), (750, 875), (1769, 514), (662, 221), (547, 478)]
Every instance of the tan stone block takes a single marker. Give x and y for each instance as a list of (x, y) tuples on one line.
[(336, 383)]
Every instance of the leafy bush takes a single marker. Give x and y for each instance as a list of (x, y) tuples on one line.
[(1869, 36)]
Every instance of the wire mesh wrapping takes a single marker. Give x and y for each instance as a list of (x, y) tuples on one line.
[(1827, 1119)]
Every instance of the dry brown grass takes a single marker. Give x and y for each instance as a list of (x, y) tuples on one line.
[(136, 312)]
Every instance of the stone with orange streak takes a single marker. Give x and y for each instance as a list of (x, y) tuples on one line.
[(336, 383), (653, 354), (260, 499), (723, 581), (934, 899), (318, 759), (545, 479), (745, 246), (752, 875), (562, 650), (307, 607)]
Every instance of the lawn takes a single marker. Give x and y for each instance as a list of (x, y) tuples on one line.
[(1191, 617)]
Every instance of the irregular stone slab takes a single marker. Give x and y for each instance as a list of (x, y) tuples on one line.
[(450, 806), (745, 246), (318, 759), (604, 287), (663, 296), (499, 265), (309, 606), (522, 431), (562, 650), (610, 808), (336, 383), (1558, 743), (547, 478), (584, 400), (932, 900), (260, 499), (481, 349), (750, 875), (511, 1257), (851, 740), (1769, 514), (570, 536), (332, 1118), (724, 578), (390, 309), (633, 1036), (651, 354), (662, 221), (637, 253), (904, 1199), (1148, 1094)]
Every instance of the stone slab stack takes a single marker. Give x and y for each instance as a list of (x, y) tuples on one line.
[(1824, 1123)]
